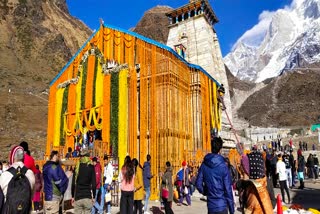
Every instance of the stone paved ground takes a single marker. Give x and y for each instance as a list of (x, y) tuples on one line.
[(308, 198)]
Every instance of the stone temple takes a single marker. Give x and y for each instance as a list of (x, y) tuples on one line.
[(192, 35)]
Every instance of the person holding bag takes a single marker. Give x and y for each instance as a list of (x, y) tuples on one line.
[(184, 188), (167, 189)]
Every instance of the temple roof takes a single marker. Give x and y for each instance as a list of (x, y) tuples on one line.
[(150, 41), (193, 4)]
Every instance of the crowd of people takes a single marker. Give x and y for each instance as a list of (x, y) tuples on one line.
[(88, 184)]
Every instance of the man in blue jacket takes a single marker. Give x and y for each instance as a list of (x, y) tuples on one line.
[(55, 183), (214, 181)]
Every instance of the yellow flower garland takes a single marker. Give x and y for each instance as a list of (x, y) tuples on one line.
[(123, 115), (216, 111), (57, 117), (99, 85), (78, 100), (212, 114)]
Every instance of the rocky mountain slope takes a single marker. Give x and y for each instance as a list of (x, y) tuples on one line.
[(286, 39), (37, 38), (289, 100), (154, 24)]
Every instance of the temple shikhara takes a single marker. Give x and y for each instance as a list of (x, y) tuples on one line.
[(124, 94)]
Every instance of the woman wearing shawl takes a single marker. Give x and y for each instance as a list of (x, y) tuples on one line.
[(254, 195)]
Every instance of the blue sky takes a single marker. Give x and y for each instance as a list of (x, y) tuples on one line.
[(235, 16)]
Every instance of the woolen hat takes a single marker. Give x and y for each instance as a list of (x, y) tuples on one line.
[(184, 163), (13, 152)]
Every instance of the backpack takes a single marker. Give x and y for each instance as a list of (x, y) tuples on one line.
[(180, 175), (18, 200)]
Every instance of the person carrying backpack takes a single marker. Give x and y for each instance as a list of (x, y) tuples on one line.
[(55, 183), (17, 181)]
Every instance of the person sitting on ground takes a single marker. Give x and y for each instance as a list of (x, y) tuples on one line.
[(17, 168)]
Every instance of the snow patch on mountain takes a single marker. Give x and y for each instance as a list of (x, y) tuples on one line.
[(282, 40)]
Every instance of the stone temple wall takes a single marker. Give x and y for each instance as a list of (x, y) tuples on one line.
[(202, 48)]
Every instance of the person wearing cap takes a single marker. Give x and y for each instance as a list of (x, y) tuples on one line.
[(16, 160), (28, 159), (214, 181), (55, 183), (83, 187), (184, 191)]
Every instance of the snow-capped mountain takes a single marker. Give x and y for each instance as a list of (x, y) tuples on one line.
[(282, 40)]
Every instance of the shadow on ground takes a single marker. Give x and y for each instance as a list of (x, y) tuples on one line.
[(308, 198)]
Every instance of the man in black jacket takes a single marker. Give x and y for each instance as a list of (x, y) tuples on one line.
[(83, 184)]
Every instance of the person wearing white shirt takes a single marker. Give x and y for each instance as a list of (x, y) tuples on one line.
[(16, 160), (281, 170), (108, 175)]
